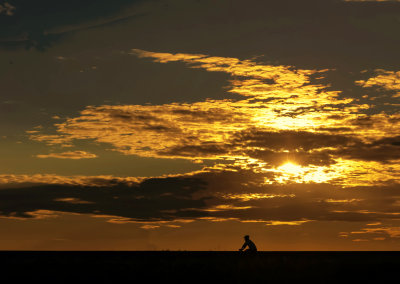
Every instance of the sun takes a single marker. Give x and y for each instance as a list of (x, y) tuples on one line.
[(291, 168), (291, 172)]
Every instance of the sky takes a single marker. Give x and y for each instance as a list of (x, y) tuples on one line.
[(187, 124)]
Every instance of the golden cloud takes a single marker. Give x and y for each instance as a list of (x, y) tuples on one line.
[(288, 223), (282, 119), (387, 80), (72, 200), (52, 179), (74, 155), (377, 232)]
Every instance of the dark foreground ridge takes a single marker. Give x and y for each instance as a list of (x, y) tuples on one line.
[(196, 267)]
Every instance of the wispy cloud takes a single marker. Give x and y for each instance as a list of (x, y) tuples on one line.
[(288, 223), (74, 155), (72, 200), (375, 233), (14, 180)]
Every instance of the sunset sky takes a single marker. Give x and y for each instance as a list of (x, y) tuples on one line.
[(187, 124)]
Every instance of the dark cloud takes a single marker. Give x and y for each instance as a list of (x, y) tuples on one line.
[(385, 150), (41, 23), (382, 153), (320, 202), (203, 150), (300, 157), (149, 200), (291, 139), (346, 33), (302, 147), (214, 195)]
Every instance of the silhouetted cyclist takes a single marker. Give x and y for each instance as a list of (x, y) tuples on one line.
[(248, 243)]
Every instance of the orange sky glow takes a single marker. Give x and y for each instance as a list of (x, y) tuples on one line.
[(141, 139)]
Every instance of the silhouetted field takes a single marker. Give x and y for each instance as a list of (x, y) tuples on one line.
[(195, 267)]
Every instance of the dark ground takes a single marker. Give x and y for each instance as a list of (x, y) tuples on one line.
[(195, 267)]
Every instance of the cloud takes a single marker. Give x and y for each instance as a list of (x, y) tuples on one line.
[(279, 117), (50, 139), (149, 227), (386, 80), (203, 129), (212, 195), (289, 223), (149, 200), (74, 155), (38, 27), (72, 200), (15, 181), (278, 75), (7, 9), (374, 232)]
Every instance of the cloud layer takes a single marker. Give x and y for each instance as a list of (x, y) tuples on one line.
[(283, 117), (210, 195)]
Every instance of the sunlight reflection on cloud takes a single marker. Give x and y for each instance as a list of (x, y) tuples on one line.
[(328, 138)]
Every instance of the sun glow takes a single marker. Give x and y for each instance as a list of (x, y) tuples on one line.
[(290, 172), (291, 168)]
